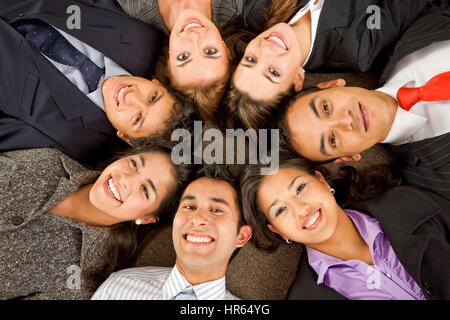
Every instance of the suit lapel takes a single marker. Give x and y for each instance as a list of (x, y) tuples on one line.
[(72, 102)]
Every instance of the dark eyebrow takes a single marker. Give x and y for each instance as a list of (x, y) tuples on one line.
[(271, 205), (312, 105), (152, 185), (220, 200), (322, 145), (142, 160), (292, 182), (188, 197)]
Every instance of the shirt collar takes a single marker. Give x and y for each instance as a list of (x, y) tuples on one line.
[(404, 126), (211, 290), (405, 123), (368, 227), (309, 6)]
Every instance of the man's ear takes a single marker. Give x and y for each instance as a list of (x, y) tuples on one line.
[(123, 137), (299, 78), (156, 81), (245, 233), (150, 219), (355, 157), (331, 83)]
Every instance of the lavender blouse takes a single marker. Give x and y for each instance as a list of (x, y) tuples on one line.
[(387, 279)]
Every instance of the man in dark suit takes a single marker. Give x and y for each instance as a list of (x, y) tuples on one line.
[(45, 102)]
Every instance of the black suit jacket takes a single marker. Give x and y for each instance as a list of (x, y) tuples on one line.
[(425, 163), (431, 25), (416, 222), (39, 106), (345, 43)]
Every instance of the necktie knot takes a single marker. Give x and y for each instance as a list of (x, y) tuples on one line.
[(51, 43), (436, 89)]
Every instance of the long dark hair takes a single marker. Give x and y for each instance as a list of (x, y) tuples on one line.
[(125, 237), (351, 186)]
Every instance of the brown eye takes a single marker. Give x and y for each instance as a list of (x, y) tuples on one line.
[(325, 108), (332, 141), (274, 72), (138, 118), (250, 59), (183, 56), (145, 191), (133, 163), (210, 51)]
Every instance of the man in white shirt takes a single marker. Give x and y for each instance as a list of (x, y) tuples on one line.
[(339, 123), (207, 229)]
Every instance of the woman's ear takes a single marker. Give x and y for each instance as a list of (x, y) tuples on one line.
[(124, 137), (320, 177), (245, 233), (150, 219), (272, 228), (299, 78)]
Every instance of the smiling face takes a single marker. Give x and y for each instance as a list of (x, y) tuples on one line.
[(197, 53), (205, 230), (339, 122), (270, 65), (298, 206), (133, 187), (135, 106)]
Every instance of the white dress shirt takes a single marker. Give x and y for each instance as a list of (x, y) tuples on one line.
[(157, 283), (316, 9), (426, 119)]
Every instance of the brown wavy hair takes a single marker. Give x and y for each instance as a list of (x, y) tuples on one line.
[(239, 110), (280, 11), (351, 186)]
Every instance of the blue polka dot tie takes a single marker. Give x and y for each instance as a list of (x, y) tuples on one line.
[(50, 42)]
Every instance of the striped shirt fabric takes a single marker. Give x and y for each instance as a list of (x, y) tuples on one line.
[(157, 283)]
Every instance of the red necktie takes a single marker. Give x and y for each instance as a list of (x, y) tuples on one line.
[(436, 89)]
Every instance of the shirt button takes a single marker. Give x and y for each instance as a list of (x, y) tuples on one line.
[(388, 275), (17, 220)]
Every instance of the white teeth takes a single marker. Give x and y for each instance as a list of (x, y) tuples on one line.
[(197, 239), (192, 25), (312, 220), (114, 190), (279, 41), (119, 96)]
